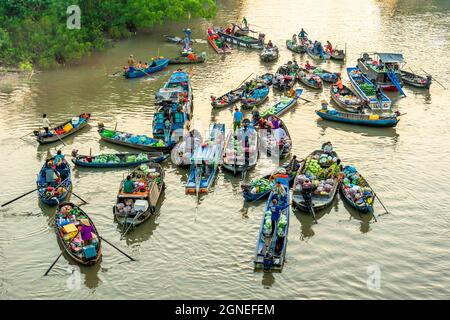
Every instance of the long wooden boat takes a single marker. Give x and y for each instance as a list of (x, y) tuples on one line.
[(320, 198), (415, 80), (141, 142), (210, 154), (68, 219), (242, 40), (356, 191), (118, 160), (241, 150), (316, 56), (174, 39), (297, 48), (227, 99), (64, 129), (253, 192), (271, 248), (285, 77), (186, 60), (283, 105), (266, 78), (338, 55), (158, 65), (366, 90), (371, 120), (215, 40), (54, 183), (309, 79), (345, 98), (132, 209), (255, 97), (182, 152), (274, 141), (325, 75), (269, 54)]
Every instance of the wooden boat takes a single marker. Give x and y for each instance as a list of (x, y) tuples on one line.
[(255, 97), (271, 249), (361, 200), (186, 60), (269, 54), (228, 98), (366, 90), (285, 77), (182, 152), (141, 142), (242, 40), (415, 80), (274, 141), (283, 105), (67, 219), (51, 189), (174, 39), (371, 120), (338, 55), (297, 48), (316, 56), (156, 66), (326, 76), (210, 154), (309, 79), (241, 149), (134, 208), (215, 40), (345, 98), (255, 195), (64, 129), (266, 78), (118, 160), (319, 200)]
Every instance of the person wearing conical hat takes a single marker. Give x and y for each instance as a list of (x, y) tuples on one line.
[(86, 231), (131, 61)]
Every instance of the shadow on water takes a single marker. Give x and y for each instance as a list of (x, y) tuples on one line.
[(268, 280), (364, 218)]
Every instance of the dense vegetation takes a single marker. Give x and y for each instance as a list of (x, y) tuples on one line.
[(35, 31)]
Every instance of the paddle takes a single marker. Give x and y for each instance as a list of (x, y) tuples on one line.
[(131, 224), (197, 183), (57, 135), (25, 135), (377, 197), (311, 209), (114, 74), (243, 81), (368, 208), (434, 79), (59, 256), (126, 255), (305, 99), (15, 199), (79, 197)]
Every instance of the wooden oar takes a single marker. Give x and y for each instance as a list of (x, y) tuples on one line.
[(57, 135), (243, 81), (79, 197), (59, 256), (25, 135), (15, 199), (434, 79), (311, 209), (131, 224), (377, 197), (305, 99), (126, 255)]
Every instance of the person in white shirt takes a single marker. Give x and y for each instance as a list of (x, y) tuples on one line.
[(45, 123), (279, 134)]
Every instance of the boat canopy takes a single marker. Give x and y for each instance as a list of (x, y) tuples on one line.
[(168, 94), (390, 57), (179, 76)]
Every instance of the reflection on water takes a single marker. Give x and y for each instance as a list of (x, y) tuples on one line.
[(206, 249)]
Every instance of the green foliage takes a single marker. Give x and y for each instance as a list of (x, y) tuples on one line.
[(41, 35)]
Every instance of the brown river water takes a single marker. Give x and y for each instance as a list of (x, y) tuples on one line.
[(206, 251)]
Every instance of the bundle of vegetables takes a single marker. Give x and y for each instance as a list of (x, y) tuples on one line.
[(130, 158), (267, 229), (324, 187), (368, 89), (312, 167), (142, 157), (318, 70), (106, 158), (261, 185), (282, 222)]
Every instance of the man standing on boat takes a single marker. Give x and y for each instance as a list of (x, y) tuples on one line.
[(237, 118), (276, 211), (244, 21), (302, 35), (45, 123)]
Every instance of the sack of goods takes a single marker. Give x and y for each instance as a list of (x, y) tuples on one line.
[(267, 229), (67, 127)]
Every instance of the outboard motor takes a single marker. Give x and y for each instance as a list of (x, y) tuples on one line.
[(268, 261)]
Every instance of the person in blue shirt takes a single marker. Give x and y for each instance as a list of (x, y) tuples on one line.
[(302, 34), (276, 211), (237, 118), (59, 158)]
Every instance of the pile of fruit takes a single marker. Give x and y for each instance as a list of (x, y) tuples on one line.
[(261, 185), (369, 90)]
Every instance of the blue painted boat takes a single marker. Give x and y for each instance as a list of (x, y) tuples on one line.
[(357, 79), (208, 153), (325, 75), (270, 251), (316, 55), (255, 97), (283, 105), (118, 160), (250, 196), (366, 197), (266, 78), (49, 186), (372, 120), (158, 65)]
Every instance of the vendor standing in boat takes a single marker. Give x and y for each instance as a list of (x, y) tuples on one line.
[(329, 47), (45, 123), (244, 21), (302, 35), (237, 118), (86, 231), (276, 210), (131, 62), (294, 39)]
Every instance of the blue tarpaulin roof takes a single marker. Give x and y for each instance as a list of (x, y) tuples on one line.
[(390, 57)]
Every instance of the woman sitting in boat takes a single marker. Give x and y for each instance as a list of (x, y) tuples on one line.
[(144, 65), (59, 158), (329, 47), (327, 147), (339, 83), (308, 66), (270, 44), (294, 39), (293, 166), (52, 175), (279, 191), (86, 231), (229, 30), (128, 185)]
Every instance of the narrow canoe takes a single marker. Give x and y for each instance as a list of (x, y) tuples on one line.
[(416, 80), (241, 150), (285, 77), (186, 60), (266, 78), (282, 106), (269, 139), (271, 248), (210, 152), (93, 161), (227, 99), (67, 218), (325, 75), (309, 79), (366, 90), (371, 120), (83, 121), (255, 97), (134, 208), (363, 199), (141, 142), (160, 64), (174, 39), (245, 41), (338, 55), (269, 54), (345, 98), (298, 48), (213, 38), (319, 201), (53, 191), (316, 56)]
